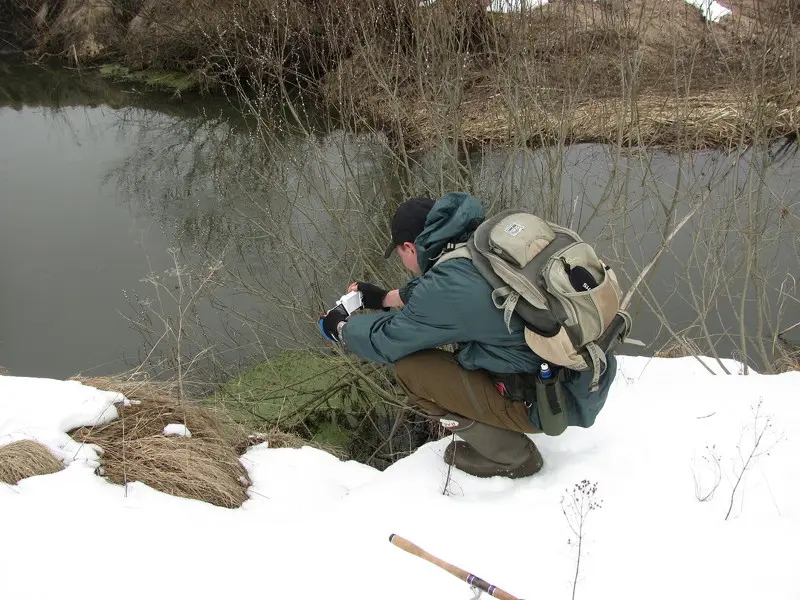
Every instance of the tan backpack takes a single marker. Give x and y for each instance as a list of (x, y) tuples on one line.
[(568, 298)]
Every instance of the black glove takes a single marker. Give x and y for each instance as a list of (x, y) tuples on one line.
[(329, 323), (372, 295)]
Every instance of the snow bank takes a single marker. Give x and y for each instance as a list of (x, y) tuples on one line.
[(507, 6), (670, 436), (177, 430), (502, 6), (45, 409), (712, 10)]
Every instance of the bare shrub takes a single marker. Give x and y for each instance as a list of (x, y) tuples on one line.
[(704, 489), (764, 439), (576, 505)]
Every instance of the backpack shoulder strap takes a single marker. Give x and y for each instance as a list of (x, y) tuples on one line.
[(456, 251), (504, 297)]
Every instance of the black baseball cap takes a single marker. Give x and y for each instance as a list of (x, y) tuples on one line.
[(409, 221)]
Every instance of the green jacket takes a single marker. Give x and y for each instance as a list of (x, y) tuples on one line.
[(451, 304)]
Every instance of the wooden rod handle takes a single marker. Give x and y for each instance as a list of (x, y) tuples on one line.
[(471, 579)]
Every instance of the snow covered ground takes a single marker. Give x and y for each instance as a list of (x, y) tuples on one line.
[(316, 527), (177, 429), (710, 9)]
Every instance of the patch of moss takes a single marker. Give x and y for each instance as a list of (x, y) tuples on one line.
[(283, 389), (314, 395), (330, 434), (168, 81)]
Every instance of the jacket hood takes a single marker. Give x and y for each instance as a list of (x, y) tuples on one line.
[(453, 218)]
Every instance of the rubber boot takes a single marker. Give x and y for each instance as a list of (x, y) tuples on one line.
[(488, 451)]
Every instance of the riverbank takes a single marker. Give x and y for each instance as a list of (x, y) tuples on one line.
[(639, 73)]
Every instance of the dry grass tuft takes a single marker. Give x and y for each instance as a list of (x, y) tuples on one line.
[(276, 438), (26, 458), (788, 359), (675, 349), (86, 26), (186, 467), (161, 405), (204, 467)]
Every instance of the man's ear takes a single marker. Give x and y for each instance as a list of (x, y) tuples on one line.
[(409, 246)]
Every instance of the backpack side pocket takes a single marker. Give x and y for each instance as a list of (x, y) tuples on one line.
[(551, 405), (586, 312), (557, 349)]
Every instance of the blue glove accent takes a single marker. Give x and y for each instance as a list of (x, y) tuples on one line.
[(325, 335)]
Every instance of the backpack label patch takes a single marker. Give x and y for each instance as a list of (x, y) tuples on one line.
[(514, 229)]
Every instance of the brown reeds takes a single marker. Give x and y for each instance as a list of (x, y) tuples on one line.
[(205, 466), (788, 358), (26, 458), (643, 73), (705, 121)]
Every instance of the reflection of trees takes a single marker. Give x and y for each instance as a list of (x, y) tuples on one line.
[(25, 85), (288, 210), (212, 177), (299, 214)]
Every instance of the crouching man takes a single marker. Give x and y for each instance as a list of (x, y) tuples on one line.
[(483, 392)]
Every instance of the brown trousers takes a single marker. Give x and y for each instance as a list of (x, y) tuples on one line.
[(437, 385)]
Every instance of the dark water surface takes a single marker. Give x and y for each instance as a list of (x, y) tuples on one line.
[(98, 183)]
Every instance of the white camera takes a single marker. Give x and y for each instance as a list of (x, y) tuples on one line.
[(351, 302)]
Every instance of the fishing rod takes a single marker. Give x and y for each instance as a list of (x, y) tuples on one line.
[(476, 582)]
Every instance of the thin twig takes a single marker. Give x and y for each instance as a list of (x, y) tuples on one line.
[(629, 296), (753, 455), (788, 329), (449, 467)]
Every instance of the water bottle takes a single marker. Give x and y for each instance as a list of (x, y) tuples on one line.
[(544, 371)]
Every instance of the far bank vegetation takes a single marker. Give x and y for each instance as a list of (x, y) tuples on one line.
[(640, 72)]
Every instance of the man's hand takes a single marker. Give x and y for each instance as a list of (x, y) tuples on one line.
[(371, 294), (331, 324)]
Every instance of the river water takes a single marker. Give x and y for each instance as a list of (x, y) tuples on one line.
[(132, 222)]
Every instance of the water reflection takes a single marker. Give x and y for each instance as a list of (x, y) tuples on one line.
[(271, 220), (307, 213), (292, 215)]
